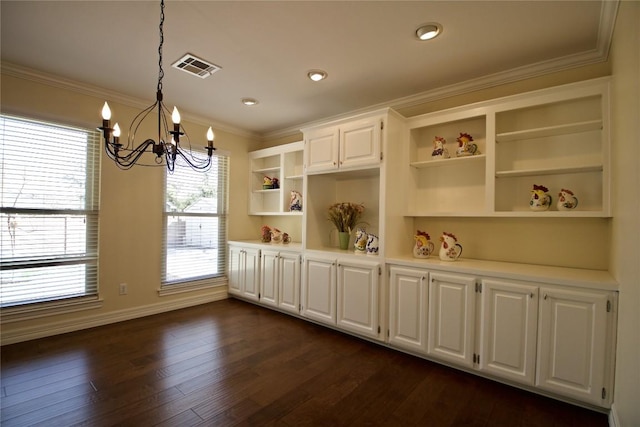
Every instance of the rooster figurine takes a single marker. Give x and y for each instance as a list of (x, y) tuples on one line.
[(566, 200), (450, 250), (540, 200)]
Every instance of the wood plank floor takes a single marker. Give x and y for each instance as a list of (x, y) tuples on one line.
[(233, 363)]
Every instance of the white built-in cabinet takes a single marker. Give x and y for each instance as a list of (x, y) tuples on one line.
[(557, 137), (408, 299), (244, 271), (546, 329), (289, 276), (283, 162), (319, 289), (539, 335), (342, 292), (451, 318), (358, 296), (574, 343), (348, 145), (280, 279), (509, 316), (270, 275), (345, 162)]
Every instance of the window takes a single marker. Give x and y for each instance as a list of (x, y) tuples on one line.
[(195, 224), (49, 180)]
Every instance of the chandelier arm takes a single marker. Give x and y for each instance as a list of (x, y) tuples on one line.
[(132, 157), (194, 162), (136, 122)]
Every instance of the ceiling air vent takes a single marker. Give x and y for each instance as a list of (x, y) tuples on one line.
[(196, 66)]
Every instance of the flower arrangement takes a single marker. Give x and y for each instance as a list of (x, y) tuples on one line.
[(345, 215)]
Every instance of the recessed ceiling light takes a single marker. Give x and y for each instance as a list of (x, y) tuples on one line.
[(317, 75), (428, 31), (249, 101)]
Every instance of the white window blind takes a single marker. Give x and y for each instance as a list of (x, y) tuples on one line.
[(195, 223), (49, 201)]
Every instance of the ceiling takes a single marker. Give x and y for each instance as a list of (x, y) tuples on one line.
[(266, 48)]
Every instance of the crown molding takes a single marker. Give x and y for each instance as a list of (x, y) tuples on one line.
[(25, 73), (599, 54)]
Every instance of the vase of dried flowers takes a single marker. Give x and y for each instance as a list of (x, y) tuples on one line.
[(345, 216)]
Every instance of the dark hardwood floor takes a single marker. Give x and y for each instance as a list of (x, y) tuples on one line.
[(233, 363)]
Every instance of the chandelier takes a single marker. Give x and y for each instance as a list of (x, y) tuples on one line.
[(167, 148)]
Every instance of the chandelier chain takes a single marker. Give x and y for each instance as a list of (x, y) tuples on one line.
[(161, 70)]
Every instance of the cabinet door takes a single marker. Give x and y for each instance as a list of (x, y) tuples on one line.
[(251, 273), (360, 143), (572, 343), (321, 149), (451, 317), (408, 309), (269, 278), (289, 283), (357, 299), (509, 321), (319, 286), (236, 269)]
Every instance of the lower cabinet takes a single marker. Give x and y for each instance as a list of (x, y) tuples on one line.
[(289, 265), (509, 317), (342, 293), (573, 333), (556, 339), (408, 299), (244, 265), (452, 318), (357, 299), (319, 289), (280, 280)]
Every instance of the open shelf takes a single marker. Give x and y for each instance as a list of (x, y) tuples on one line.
[(453, 161), (284, 163), (549, 171), (564, 129)]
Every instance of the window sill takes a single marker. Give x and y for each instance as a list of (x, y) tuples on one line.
[(197, 285), (35, 311)]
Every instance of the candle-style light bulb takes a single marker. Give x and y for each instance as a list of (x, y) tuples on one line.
[(116, 136), (210, 135), (106, 112), (175, 116)]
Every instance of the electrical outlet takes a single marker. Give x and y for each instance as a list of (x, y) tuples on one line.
[(123, 288)]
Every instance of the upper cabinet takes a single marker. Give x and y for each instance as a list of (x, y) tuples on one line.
[(559, 140), (346, 161), (556, 138), (441, 182), (348, 145), (274, 173)]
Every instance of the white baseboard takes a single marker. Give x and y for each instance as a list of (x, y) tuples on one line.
[(47, 329), (614, 421)]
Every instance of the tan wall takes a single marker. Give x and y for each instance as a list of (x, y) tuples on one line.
[(131, 202), (625, 253)]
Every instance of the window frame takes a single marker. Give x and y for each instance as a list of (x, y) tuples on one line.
[(198, 282), (90, 213)]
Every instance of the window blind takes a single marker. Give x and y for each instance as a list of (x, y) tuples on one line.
[(195, 223), (49, 206)]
